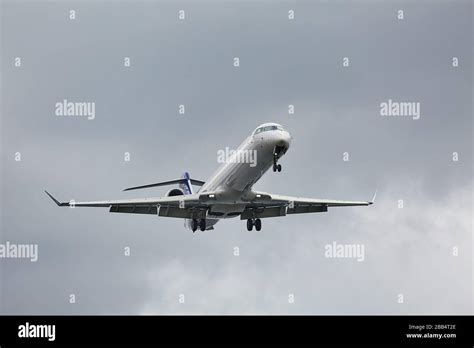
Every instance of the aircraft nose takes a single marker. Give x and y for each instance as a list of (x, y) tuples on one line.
[(284, 140)]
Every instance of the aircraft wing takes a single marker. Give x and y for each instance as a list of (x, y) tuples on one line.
[(270, 205), (195, 206), (183, 206)]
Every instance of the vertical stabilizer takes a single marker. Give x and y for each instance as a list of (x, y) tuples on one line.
[(185, 186)]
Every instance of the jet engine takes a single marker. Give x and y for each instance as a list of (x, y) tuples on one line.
[(175, 192)]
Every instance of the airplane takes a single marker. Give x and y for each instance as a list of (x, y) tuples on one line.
[(228, 193)]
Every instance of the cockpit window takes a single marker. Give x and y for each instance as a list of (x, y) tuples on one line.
[(268, 128)]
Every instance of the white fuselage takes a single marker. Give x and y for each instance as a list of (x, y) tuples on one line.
[(233, 180)]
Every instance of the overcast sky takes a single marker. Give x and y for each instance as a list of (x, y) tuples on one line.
[(408, 250)]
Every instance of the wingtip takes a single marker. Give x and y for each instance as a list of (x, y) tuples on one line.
[(59, 204), (372, 201)]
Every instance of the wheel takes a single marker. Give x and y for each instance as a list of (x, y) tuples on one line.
[(279, 167), (194, 225), (258, 224), (249, 224), (274, 167), (202, 224)]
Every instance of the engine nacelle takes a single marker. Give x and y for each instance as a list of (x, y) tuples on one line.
[(175, 192)]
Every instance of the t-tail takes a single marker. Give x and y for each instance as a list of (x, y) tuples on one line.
[(185, 184)]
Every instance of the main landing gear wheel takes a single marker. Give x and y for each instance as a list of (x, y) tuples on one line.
[(202, 225), (251, 223), (194, 225)]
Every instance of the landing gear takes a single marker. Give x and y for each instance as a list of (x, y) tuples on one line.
[(198, 223), (249, 224), (258, 224), (276, 166), (254, 222)]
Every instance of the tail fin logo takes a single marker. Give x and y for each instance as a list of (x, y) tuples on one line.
[(186, 185)]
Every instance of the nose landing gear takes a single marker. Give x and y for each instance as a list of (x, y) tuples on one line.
[(276, 155), (254, 222)]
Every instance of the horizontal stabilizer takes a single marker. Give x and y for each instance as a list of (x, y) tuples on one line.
[(164, 183)]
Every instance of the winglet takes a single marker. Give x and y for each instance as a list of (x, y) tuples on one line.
[(373, 198), (55, 200)]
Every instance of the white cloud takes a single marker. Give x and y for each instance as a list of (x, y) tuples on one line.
[(408, 251)]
